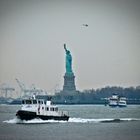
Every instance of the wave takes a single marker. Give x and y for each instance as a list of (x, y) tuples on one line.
[(72, 120), (15, 120), (33, 121), (104, 120)]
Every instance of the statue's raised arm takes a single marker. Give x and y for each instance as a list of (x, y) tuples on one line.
[(65, 47)]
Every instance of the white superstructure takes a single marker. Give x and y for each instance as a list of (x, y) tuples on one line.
[(113, 100), (122, 102), (39, 108)]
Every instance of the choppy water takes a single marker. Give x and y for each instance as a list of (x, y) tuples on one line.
[(87, 122)]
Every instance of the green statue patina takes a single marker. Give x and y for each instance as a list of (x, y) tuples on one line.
[(68, 61)]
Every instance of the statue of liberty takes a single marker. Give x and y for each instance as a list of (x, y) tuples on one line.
[(69, 78), (68, 61)]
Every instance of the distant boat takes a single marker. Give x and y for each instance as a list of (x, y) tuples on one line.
[(39, 108), (115, 101), (122, 102)]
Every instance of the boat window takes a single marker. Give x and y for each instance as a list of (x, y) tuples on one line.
[(28, 102), (51, 109), (23, 102), (40, 102), (34, 101), (56, 109), (47, 108)]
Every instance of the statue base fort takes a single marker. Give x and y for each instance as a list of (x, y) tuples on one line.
[(69, 82)]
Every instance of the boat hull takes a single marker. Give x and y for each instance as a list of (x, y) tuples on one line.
[(122, 105), (113, 105), (27, 115)]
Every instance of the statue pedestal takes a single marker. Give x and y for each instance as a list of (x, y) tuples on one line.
[(69, 82)]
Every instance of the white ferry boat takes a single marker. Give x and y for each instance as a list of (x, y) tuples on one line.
[(39, 108), (122, 102), (113, 100)]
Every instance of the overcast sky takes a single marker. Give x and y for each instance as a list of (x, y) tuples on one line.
[(107, 52)]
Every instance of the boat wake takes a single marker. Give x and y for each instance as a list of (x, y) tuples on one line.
[(33, 121), (72, 120), (104, 120)]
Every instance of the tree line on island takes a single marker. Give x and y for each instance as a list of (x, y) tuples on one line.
[(98, 96), (91, 96)]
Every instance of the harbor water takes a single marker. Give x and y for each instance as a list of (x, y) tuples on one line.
[(87, 122)]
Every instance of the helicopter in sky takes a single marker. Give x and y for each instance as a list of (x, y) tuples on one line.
[(86, 25)]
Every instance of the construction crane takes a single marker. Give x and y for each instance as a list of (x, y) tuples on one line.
[(26, 91), (6, 88)]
